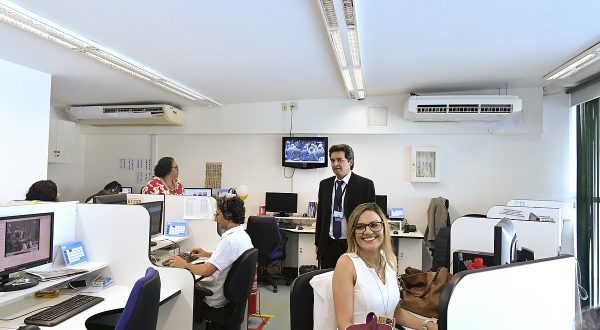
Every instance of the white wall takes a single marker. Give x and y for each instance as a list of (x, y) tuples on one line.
[(24, 124), (479, 169)]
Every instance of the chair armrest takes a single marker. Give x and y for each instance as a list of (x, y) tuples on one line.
[(200, 290)]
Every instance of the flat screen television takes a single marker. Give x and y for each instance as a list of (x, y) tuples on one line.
[(25, 242), (304, 152), (505, 242), (282, 204)]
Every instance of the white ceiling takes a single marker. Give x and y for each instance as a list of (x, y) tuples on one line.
[(270, 50)]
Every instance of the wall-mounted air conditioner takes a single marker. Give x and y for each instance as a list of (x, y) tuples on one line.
[(148, 114), (461, 107)]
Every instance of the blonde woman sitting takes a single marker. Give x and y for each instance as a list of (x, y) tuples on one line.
[(364, 279)]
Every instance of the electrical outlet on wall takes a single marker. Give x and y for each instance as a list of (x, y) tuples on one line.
[(284, 106), (293, 106)]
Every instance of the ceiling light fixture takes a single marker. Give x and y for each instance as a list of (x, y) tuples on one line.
[(575, 64), (29, 22), (344, 40)]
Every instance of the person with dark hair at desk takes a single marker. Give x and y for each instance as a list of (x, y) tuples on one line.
[(111, 188), (338, 196), (165, 180), (43, 190), (230, 215)]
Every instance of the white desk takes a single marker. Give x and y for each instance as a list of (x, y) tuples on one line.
[(115, 297), (409, 249), (300, 247)]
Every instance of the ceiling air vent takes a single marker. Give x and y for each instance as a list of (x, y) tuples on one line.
[(461, 107)]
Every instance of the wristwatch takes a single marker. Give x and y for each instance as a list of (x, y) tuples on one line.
[(425, 323)]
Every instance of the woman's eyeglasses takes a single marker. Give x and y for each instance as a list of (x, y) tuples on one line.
[(375, 226)]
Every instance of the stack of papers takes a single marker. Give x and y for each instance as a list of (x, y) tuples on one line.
[(45, 275)]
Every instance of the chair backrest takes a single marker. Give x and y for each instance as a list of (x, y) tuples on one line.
[(301, 301), (238, 283), (141, 310), (264, 233)]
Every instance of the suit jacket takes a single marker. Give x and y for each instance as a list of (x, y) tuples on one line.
[(359, 190)]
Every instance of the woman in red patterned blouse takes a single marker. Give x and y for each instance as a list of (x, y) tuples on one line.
[(165, 181)]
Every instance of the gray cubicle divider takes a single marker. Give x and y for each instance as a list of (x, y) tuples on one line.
[(538, 294)]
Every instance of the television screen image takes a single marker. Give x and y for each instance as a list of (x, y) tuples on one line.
[(304, 152)]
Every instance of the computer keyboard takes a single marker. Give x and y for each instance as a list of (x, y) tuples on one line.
[(62, 311), (287, 225), (185, 256)]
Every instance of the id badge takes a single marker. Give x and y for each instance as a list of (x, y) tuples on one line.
[(384, 320), (338, 215)]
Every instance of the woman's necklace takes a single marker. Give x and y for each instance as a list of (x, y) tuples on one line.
[(384, 302)]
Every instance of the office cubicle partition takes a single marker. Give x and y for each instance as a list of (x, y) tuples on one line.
[(537, 294)]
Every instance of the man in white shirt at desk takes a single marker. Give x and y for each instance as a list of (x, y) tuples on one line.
[(230, 215)]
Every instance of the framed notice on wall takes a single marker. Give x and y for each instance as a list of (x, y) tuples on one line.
[(425, 164)]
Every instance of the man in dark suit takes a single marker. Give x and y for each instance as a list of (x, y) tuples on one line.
[(338, 196)]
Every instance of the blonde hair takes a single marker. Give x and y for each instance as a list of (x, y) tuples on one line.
[(386, 246)]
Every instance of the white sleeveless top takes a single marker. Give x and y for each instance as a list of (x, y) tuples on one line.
[(372, 295)]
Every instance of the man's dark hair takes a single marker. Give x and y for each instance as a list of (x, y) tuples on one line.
[(43, 190), (233, 208), (163, 167), (348, 152)]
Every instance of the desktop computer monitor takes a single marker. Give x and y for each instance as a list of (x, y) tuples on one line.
[(111, 199), (155, 210), (25, 242), (282, 204), (197, 192), (381, 201), (505, 242), (127, 190)]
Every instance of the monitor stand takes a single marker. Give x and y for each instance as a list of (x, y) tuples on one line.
[(282, 215), (16, 283)]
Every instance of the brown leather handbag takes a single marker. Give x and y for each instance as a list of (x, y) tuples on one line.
[(421, 291)]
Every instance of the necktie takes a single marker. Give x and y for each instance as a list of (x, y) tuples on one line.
[(337, 206)]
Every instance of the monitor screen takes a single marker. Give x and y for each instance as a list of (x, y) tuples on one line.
[(304, 152), (505, 242), (155, 209), (26, 242), (197, 192), (381, 201), (127, 190), (111, 199), (284, 204)]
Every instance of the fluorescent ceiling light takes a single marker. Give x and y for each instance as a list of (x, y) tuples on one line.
[(575, 64), (29, 22), (344, 40)]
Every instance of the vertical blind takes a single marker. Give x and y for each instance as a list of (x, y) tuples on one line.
[(588, 164)]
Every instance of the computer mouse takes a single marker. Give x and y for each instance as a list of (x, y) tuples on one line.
[(395, 232), (28, 327), (300, 228)]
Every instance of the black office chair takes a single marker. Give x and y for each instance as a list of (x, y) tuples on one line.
[(301, 301), (265, 236), (141, 309), (237, 287)]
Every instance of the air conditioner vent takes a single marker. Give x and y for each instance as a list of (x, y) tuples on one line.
[(496, 108), (432, 108), (461, 107)]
